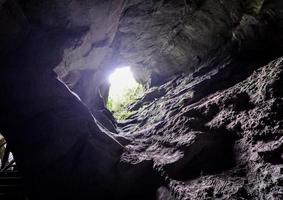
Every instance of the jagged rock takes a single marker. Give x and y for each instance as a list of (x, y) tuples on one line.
[(159, 39), (210, 129), (148, 97), (223, 145), (162, 38), (60, 149)]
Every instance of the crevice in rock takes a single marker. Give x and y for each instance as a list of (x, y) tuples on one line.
[(209, 125)]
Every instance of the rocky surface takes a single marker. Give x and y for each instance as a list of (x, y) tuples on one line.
[(162, 38), (71, 37), (224, 145), (210, 121), (157, 38)]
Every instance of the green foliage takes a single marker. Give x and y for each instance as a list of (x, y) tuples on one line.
[(119, 106)]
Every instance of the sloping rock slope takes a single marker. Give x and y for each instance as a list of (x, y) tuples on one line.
[(224, 145)]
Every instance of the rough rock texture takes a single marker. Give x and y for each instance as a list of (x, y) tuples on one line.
[(61, 150), (162, 38), (157, 38), (213, 129), (226, 145), (71, 37)]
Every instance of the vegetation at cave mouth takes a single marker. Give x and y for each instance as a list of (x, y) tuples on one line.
[(119, 106)]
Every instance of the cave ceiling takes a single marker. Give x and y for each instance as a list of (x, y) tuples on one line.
[(157, 38), (214, 121)]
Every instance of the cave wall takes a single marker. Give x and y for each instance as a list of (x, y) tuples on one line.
[(163, 38), (212, 127), (211, 141), (78, 33), (16, 26), (158, 39), (72, 38)]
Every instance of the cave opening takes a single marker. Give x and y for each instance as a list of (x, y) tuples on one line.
[(200, 117), (124, 90)]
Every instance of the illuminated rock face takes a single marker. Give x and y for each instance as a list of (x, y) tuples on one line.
[(163, 38), (71, 37), (214, 120), (159, 39), (222, 141)]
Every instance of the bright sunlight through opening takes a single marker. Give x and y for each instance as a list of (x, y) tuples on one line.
[(121, 81), (124, 90)]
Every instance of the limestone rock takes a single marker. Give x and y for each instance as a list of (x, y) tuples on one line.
[(208, 127), (226, 145)]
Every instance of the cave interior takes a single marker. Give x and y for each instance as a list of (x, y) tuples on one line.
[(207, 126)]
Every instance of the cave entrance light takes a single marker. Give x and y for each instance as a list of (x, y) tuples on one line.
[(124, 90), (121, 80)]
